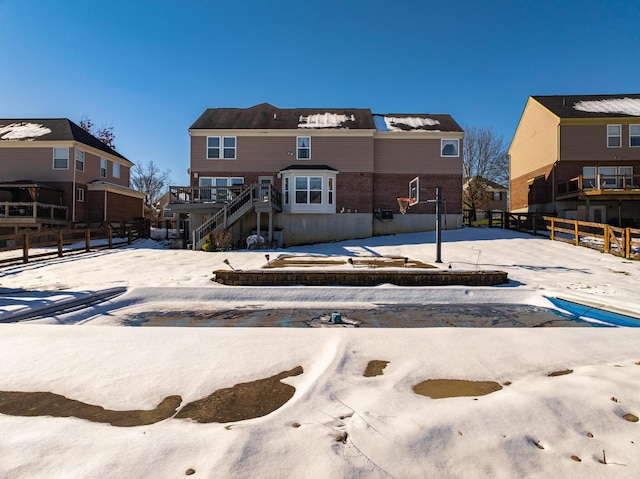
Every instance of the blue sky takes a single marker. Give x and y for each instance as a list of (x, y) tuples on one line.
[(150, 68)]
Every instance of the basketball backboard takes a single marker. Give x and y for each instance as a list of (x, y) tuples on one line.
[(414, 191)]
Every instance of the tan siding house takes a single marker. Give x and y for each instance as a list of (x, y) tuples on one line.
[(48, 167), (578, 157), (322, 174)]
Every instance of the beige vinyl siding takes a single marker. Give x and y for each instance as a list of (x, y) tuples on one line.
[(34, 164), (274, 153), (534, 144), (414, 156), (588, 142)]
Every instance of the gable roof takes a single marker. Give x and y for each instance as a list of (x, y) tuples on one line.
[(50, 129), (489, 184), (269, 117), (592, 106)]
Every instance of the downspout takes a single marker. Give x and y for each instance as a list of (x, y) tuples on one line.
[(104, 215), (72, 164)]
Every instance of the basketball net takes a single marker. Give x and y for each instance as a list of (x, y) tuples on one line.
[(403, 203)]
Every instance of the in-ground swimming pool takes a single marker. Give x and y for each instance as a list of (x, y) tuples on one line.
[(377, 316)]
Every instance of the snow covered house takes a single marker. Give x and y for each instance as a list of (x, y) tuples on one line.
[(297, 176), (54, 174), (578, 157)]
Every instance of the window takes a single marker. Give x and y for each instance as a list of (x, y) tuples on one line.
[(614, 136), (308, 190), (103, 168), (217, 188), (589, 177), (221, 147), (79, 194), (634, 135), (497, 195), (286, 190), (450, 147), (304, 148), (61, 158), (116, 170), (79, 160), (625, 176), (330, 190)]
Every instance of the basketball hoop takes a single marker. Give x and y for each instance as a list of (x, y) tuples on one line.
[(404, 204)]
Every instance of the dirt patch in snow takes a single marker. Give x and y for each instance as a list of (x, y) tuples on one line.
[(240, 402), (448, 388)]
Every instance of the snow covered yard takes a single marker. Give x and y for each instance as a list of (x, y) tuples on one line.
[(562, 405)]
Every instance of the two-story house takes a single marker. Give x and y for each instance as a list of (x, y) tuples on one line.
[(317, 174), (578, 157), (54, 174)]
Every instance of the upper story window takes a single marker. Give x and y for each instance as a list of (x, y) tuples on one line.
[(634, 135), (304, 148), (221, 147), (103, 168), (450, 147), (79, 160), (61, 158), (614, 136), (116, 170)]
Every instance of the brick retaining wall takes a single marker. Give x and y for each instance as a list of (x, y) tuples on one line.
[(360, 278)]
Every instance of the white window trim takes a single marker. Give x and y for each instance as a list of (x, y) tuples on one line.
[(298, 148), (80, 195), (324, 206), (614, 136), (222, 148), (54, 158), (637, 135), (442, 145), (79, 157)]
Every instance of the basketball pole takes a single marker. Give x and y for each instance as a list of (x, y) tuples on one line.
[(438, 224)]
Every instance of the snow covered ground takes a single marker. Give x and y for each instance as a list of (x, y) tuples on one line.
[(339, 422)]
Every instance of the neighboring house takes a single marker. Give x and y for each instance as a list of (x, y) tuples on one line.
[(299, 176), (481, 196), (54, 174), (578, 157)]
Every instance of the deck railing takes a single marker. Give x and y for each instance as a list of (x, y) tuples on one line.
[(33, 210), (204, 194), (599, 182)]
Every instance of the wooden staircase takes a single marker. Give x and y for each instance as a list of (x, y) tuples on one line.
[(245, 202)]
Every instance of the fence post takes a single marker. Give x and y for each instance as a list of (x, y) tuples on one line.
[(577, 233), (25, 248), (553, 230), (490, 219), (627, 242), (87, 240), (607, 238), (60, 241)]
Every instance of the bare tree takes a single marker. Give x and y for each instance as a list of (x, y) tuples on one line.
[(152, 181), (485, 159), (104, 134)]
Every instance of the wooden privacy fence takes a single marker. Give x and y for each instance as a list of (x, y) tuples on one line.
[(623, 242), (50, 243)]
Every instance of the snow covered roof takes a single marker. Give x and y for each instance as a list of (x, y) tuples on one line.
[(269, 117), (415, 122), (592, 106), (22, 131), (50, 129)]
